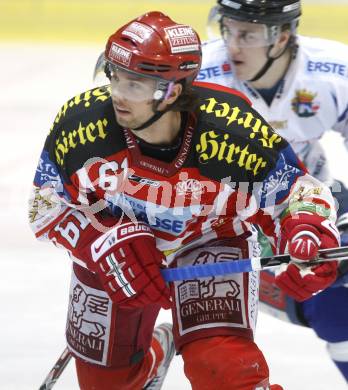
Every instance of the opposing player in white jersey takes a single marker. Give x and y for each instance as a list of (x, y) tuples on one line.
[(299, 84)]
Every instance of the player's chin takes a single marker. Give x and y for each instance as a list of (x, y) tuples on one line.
[(243, 74), (123, 121), (242, 71)]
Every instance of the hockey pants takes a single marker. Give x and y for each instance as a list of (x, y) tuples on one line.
[(209, 364)]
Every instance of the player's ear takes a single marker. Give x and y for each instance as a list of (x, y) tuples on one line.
[(281, 43), (173, 96)]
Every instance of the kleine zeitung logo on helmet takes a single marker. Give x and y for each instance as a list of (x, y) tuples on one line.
[(120, 54), (182, 39), (138, 31), (180, 31)]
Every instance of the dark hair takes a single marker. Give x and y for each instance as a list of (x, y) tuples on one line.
[(292, 40)]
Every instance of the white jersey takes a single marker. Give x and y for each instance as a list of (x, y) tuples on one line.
[(311, 99)]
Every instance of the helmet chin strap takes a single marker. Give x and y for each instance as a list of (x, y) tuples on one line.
[(157, 115), (264, 69), (269, 62)]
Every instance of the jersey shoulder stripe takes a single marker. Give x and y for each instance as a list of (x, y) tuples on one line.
[(222, 88)]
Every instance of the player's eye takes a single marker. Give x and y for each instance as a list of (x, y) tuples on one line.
[(135, 85), (246, 36)]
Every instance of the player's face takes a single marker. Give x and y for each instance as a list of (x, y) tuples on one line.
[(247, 45), (132, 86), (132, 98)]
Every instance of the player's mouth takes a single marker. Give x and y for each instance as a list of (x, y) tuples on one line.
[(121, 110), (237, 63)]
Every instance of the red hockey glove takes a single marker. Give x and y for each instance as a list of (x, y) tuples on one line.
[(128, 264), (304, 236)]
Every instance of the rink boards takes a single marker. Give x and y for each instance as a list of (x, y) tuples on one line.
[(92, 20)]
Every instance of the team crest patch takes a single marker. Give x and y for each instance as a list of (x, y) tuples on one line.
[(303, 104), (182, 39), (190, 187)]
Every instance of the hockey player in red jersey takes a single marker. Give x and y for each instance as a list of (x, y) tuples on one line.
[(154, 170)]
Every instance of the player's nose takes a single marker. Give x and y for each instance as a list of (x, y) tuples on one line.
[(233, 48)]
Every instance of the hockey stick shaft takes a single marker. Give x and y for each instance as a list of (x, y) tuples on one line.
[(246, 265), (56, 371)]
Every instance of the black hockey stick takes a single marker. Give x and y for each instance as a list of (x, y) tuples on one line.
[(56, 371)]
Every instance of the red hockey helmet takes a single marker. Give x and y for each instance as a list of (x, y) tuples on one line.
[(154, 45)]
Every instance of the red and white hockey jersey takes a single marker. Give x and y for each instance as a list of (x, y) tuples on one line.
[(232, 171)]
